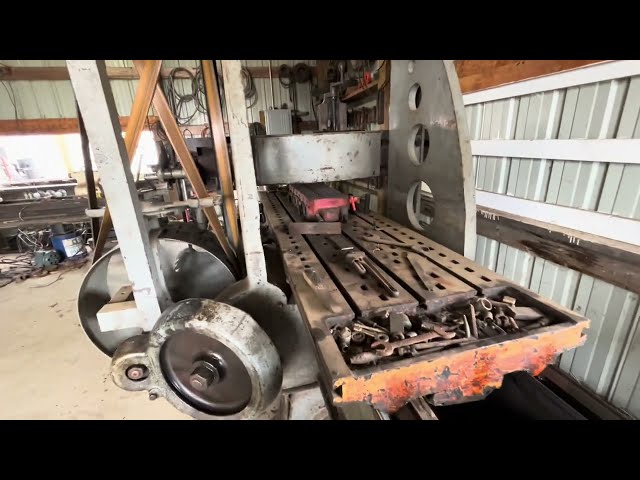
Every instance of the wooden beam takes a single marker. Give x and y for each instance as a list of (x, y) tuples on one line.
[(52, 126), (609, 260), (59, 126), (14, 74), (477, 75)]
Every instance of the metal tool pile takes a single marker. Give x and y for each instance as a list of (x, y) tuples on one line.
[(396, 335)]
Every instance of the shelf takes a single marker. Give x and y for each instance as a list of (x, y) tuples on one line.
[(358, 92)]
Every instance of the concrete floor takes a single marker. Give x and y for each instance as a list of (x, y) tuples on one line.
[(48, 367)]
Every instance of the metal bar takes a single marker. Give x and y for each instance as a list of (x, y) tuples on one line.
[(245, 174), (222, 154), (139, 110), (182, 152), (88, 175), (95, 98)]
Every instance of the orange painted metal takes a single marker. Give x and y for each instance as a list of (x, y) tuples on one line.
[(469, 372)]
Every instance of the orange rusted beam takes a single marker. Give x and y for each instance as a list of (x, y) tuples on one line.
[(471, 371)]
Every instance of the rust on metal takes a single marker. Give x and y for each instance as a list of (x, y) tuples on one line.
[(364, 292), (445, 288), (315, 228), (470, 371), (316, 294), (460, 266), (222, 154)]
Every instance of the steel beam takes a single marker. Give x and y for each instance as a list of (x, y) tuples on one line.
[(245, 174), (222, 154), (95, 99), (139, 110), (182, 152), (88, 175)]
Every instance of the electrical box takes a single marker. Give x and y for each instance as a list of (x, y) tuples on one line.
[(278, 122)]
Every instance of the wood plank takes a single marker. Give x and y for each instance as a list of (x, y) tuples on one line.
[(609, 260), (14, 74), (477, 75), (59, 126), (356, 93)]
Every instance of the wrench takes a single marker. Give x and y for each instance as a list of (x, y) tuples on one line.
[(371, 237), (414, 260), (389, 347)]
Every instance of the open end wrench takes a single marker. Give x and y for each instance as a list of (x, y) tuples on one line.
[(389, 347), (380, 277), (414, 260)]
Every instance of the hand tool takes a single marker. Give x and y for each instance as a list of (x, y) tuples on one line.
[(389, 347), (415, 262)]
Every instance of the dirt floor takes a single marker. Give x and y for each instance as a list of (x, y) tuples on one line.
[(48, 367)]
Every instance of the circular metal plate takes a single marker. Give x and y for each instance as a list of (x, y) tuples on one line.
[(180, 355), (191, 261)]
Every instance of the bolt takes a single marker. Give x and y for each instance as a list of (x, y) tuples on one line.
[(137, 372), (203, 376), (153, 396)]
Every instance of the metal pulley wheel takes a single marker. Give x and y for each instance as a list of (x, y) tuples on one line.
[(209, 359), (191, 260)]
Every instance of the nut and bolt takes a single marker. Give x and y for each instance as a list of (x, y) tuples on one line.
[(203, 376), (137, 372), (153, 395)]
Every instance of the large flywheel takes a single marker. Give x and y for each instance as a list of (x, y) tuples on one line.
[(191, 260), (209, 359)]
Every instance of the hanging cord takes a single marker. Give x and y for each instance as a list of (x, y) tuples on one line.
[(184, 101), (250, 92)]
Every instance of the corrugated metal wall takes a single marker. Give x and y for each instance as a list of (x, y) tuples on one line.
[(609, 362), (55, 99)]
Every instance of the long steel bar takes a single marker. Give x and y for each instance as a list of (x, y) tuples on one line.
[(95, 99), (182, 152), (222, 154), (245, 174), (139, 110), (88, 175)]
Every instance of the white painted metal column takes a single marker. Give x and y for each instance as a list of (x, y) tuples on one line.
[(244, 173), (95, 98)]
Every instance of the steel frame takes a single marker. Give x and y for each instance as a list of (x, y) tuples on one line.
[(466, 372), (95, 100)]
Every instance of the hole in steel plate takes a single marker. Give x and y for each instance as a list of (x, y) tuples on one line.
[(469, 269), (420, 206), (303, 259), (364, 287), (441, 287), (397, 261), (415, 96), (434, 275), (442, 254), (306, 265), (485, 278), (395, 254), (418, 144), (456, 262), (383, 298), (421, 243)]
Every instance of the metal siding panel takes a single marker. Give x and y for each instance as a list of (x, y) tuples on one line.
[(626, 385)]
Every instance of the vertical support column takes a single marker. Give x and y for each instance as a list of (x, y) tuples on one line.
[(95, 99), (245, 174), (88, 175), (222, 155)]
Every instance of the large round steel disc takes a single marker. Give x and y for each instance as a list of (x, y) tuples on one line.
[(193, 265), (228, 394)]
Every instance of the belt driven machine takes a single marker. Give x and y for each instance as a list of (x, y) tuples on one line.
[(375, 309)]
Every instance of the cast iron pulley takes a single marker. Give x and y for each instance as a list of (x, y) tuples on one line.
[(192, 263)]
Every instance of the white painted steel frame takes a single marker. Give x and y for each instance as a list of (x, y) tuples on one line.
[(614, 150), (609, 226), (594, 73), (95, 99)]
